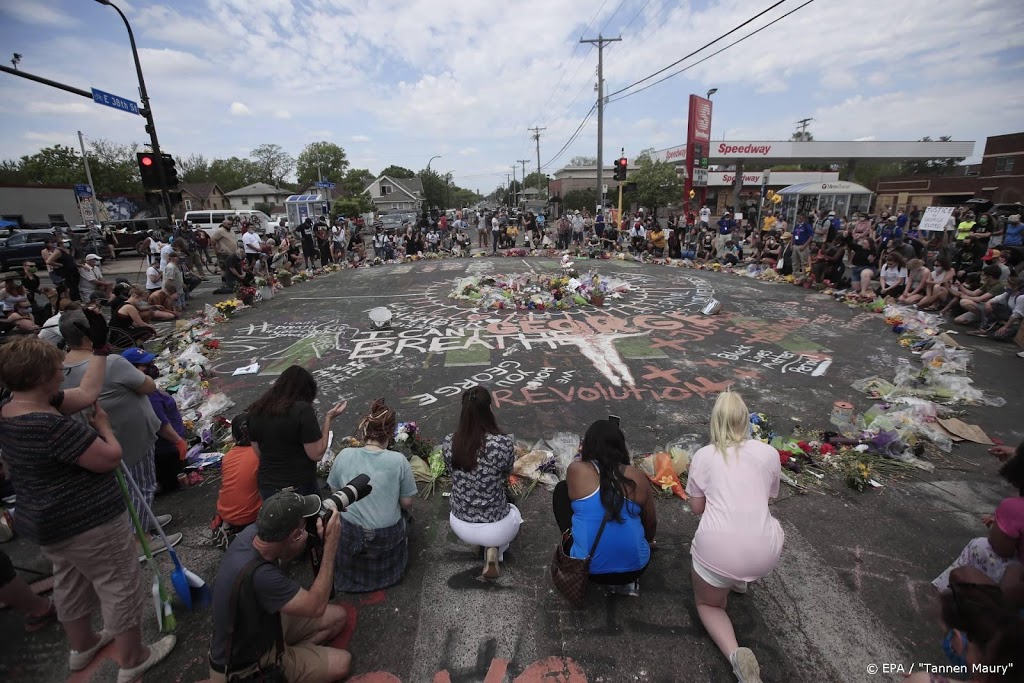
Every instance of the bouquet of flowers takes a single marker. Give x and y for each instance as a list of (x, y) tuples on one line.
[(760, 428), (410, 441), (262, 282), (437, 470), (247, 294), (228, 306)]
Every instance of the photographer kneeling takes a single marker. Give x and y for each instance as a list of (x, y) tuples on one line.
[(264, 623)]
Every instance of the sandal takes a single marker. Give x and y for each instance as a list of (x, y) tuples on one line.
[(35, 623)]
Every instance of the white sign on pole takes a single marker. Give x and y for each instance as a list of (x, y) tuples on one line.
[(936, 218), (85, 206)]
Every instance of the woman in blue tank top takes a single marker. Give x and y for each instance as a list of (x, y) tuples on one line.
[(604, 485)]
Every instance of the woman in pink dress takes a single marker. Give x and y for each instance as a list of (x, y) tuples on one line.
[(738, 541)]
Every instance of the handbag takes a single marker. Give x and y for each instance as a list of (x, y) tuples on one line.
[(572, 574), (256, 673)]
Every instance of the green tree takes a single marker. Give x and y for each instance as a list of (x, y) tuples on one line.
[(585, 198), (802, 136), (435, 188), (537, 180), (657, 184), (355, 182), (57, 165), (11, 173), (318, 158), (398, 172), (231, 174), (868, 173), (114, 166), (265, 207), (583, 161), (932, 166), (351, 206), (193, 169), (273, 164)]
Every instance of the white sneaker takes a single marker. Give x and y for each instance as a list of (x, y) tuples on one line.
[(744, 665), (163, 520), (158, 651), (739, 587), (1020, 354), (79, 660)]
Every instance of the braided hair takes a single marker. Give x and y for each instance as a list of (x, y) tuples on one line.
[(379, 424)]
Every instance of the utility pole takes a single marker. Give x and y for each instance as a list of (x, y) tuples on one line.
[(803, 128), (600, 42), (88, 178), (514, 180), (523, 162), (536, 137)]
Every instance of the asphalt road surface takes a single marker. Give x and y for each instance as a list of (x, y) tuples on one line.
[(853, 586)]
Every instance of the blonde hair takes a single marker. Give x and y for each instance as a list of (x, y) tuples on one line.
[(730, 422)]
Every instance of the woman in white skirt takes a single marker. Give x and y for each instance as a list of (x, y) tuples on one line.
[(480, 458)]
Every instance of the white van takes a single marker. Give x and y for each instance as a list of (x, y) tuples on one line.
[(208, 220)]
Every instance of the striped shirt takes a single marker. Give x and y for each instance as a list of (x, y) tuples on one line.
[(57, 499)]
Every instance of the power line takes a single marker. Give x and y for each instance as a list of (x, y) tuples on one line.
[(572, 137), (703, 47), (568, 61), (609, 20), (717, 52)]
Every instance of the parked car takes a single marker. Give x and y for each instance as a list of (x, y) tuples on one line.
[(21, 246)]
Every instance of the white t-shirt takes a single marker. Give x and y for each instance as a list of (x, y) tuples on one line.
[(151, 273), (495, 225), (705, 215), (165, 253), (50, 331), (251, 242), (890, 276)]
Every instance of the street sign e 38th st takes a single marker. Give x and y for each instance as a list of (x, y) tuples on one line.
[(115, 102)]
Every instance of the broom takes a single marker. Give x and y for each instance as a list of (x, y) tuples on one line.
[(162, 603)]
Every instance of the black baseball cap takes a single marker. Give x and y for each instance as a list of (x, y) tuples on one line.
[(282, 513)]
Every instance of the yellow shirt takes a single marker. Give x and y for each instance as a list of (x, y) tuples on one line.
[(964, 229), (769, 223), (658, 239)]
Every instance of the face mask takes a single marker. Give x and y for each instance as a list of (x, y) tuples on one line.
[(152, 371), (31, 269), (984, 220)]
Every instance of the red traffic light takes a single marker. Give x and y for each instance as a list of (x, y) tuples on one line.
[(622, 161), (146, 161)]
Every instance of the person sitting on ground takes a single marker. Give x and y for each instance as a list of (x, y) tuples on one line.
[(21, 320), (937, 289), (374, 548), (1006, 308), (769, 254), (729, 255), (917, 280), (862, 259), (966, 301), (272, 607), (480, 458), (238, 502), (737, 541), (658, 241), (14, 591), (87, 537), (893, 276), (675, 247), (608, 506), (995, 559), (285, 433), (984, 636), (164, 300)]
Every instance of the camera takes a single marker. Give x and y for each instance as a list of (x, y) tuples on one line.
[(356, 489)]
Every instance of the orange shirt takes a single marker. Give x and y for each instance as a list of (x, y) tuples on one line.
[(239, 500)]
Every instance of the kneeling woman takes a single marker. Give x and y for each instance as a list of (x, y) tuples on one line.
[(480, 458), (373, 551), (607, 504), (737, 540)]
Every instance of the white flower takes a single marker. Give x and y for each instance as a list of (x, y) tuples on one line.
[(861, 448), (402, 436)]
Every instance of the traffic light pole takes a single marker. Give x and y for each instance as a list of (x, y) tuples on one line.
[(147, 112)]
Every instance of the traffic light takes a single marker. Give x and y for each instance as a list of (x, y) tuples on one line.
[(621, 166), (148, 170), (170, 171)]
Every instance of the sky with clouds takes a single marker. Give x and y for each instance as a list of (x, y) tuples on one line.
[(399, 81)]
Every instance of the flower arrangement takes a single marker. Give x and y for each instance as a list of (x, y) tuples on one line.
[(760, 427), (530, 292), (247, 294), (228, 306), (262, 282), (437, 470), (410, 441), (857, 475)]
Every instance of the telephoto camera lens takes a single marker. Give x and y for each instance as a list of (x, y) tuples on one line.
[(345, 496)]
